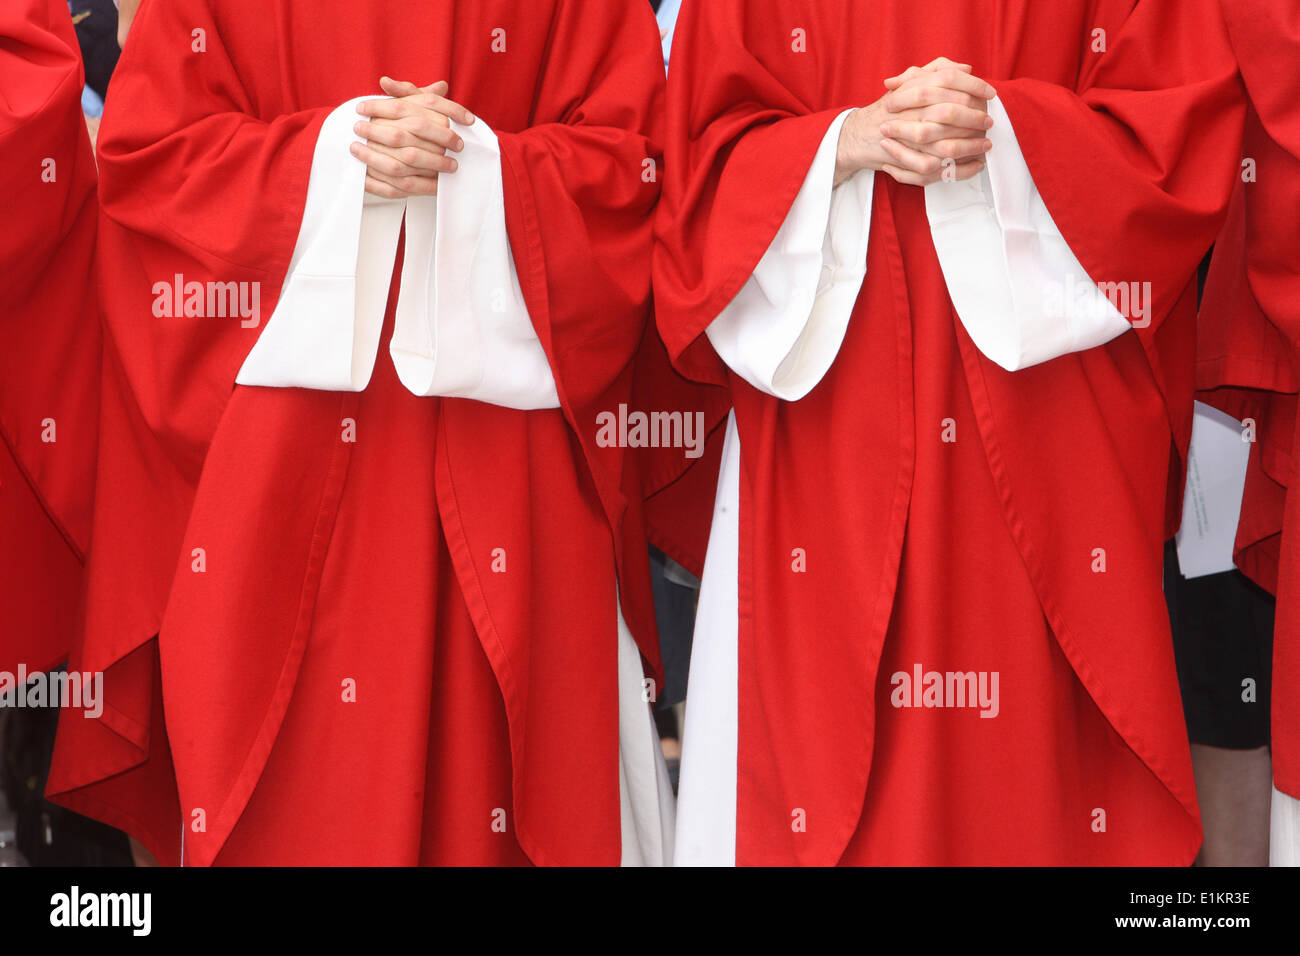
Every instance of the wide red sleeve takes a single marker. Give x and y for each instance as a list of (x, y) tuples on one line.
[(202, 180), (1250, 314), (1131, 162), (49, 360), (1251, 310), (581, 183), (1245, 359), (196, 184), (744, 134)]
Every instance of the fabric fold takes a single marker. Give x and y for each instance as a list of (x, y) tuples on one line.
[(1021, 293), (784, 328), (462, 327)]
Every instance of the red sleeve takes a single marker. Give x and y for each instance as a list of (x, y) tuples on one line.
[(196, 183), (49, 360), (1251, 310), (1250, 314), (580, 185), (45, 155), (742, 140), (1139, 139), (1266, 37)]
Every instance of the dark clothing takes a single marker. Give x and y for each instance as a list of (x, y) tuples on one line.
[(96, 23), (1223, 636)]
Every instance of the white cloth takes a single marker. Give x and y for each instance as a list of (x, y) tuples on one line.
[(1018, 289), (1284, 830), (706, 791), (324, 331), (645, 791), (784, 328), (1216, 480), (462, 329)]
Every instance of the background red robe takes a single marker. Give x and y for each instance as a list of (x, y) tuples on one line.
[(981, 550), (328, 559), (1249, 332), (49, 362)]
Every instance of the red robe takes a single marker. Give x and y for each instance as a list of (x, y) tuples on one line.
[(1250, 330), (370, 560), (977, 554), (49, 364)]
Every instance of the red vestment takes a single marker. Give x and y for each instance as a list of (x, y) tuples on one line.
[(49, 362), (1249, 331), (1029, 546), (325, 560)]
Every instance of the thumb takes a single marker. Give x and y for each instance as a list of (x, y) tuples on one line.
[(402, 88)]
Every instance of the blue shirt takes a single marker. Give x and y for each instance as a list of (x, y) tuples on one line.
[(667, 17)]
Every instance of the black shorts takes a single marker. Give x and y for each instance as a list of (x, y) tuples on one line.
[(1223, 637), (676, 593)]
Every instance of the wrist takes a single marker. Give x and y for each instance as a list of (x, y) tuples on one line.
[(859, 144)]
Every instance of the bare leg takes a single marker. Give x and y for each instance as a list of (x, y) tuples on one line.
[(1234, 788), (140, 855)]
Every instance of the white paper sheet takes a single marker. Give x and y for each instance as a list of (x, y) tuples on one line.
[(1216, 478)]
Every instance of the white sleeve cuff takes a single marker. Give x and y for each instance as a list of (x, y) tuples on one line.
[(324, 332), (462, 329), (1019, 290), (784, 328)]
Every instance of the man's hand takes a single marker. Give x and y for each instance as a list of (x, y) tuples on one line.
[(408, 138), (933, 118), (937, 112)]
